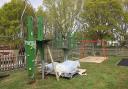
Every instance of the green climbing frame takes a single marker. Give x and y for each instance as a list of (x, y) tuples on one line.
[(32, 46)]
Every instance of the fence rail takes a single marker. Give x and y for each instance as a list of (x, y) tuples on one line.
[(9, 62)]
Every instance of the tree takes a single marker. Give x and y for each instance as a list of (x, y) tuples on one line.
[(63, 15), (124, 24), (10, 15), (103, 18)]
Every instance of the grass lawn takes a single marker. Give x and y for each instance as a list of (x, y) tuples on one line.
[(106, 75)]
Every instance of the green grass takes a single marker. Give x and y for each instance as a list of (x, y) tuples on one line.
[(106, 75)]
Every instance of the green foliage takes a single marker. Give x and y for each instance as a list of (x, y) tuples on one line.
[(10, 15), (102, 17), (62, 14), (91, 19)]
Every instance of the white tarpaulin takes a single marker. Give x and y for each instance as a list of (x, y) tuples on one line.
[(66, 69)]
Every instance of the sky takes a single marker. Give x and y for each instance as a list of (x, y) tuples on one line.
[(2, 2), (35, 3)]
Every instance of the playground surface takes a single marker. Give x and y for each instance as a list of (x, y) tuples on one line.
[(106, 75)]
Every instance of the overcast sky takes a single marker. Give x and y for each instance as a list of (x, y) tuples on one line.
[(35, 3)]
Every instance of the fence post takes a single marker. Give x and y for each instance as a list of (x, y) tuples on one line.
[(0, 63)]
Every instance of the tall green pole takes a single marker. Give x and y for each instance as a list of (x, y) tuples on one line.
[(40, 44), (30, 49), (30, 29), (40, 29)]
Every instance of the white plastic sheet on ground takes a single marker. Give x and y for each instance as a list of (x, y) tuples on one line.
[(66, 69)]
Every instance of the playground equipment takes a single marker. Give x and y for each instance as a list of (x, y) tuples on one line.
[(66, 43), (33, 45)]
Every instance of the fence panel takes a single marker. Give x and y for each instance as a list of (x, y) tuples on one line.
[(10, 62)]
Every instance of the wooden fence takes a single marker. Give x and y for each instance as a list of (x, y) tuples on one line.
[(9, 62)]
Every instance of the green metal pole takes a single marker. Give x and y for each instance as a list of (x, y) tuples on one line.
[(40, 35), (30, 49), (40, 45), (30, 29)]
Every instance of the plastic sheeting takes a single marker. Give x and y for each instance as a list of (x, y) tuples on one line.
[(66, 69)]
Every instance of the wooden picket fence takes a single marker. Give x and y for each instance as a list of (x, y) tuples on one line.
[(9, 62)]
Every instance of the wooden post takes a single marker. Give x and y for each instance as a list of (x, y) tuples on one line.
[(0, 63), (103, 47), (4, 63), (57, 77)]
